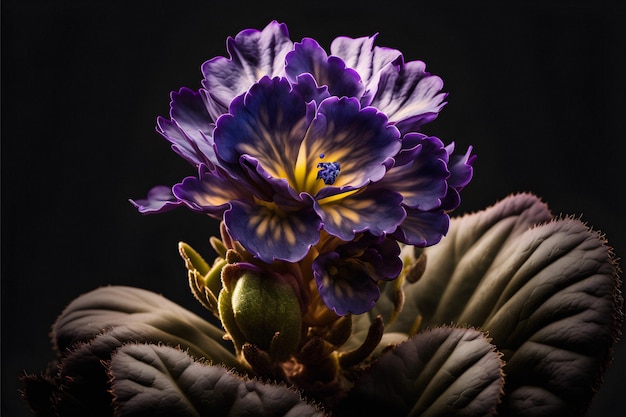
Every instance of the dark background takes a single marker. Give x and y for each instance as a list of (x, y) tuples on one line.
[(535, 87)]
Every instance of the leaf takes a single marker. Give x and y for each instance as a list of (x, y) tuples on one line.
[(146, 316), (441, 372), (95, 325), (462, 257), (150, 380), (79, 385), (38, 390), (547, 291)]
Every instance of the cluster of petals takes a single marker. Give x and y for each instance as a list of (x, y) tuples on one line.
[(289, 141), (347, 277)]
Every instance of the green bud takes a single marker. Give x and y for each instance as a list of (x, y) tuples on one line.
[(193, 260), (213, 279), (263, 311)]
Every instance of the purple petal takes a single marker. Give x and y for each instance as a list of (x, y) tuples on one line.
[(210, 193), (360, 140), (344, 289), (272, 234), (421, 182), (308, 57), (460, 166), (307, 87), (191, 129), (409, 95), (383, 259), (376, 211), (268, 123), (379, 253), (346, 277), (422, 228), (253, 54), (266, 187), (366, 59), (461, 172), (159, 200), (411, 147)]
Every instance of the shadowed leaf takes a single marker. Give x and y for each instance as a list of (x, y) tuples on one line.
[(547, 291), (155, 318), (150, 380), (96, 324), (441, 372)]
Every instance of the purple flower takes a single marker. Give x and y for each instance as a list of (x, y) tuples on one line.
[(347, 277), (289, 140)]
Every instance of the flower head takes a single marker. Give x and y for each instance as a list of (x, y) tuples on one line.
[(347, 276), (290, 141)]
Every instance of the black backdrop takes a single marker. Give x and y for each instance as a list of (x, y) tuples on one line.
[(535, 87)]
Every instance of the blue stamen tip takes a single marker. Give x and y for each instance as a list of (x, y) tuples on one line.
[(328, 172)]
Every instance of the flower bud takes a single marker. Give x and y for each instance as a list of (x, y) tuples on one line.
[(261, 309)]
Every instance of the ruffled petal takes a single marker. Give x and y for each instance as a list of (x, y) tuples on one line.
[(461, 172), (159, 200), (210, 193), (268, 123), (411, 146), (376, 211), (409, 95), (190, 129), (307, 87), (266, 187), (252, 55), (379, 253), (360, 140), (422, 181), (272, 234), (460, 166), (383, 260), (308, 57), (422, 228), (345, 286), (365, 58)]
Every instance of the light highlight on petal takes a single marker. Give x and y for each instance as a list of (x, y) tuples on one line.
[(376, 211), (409, 95), (253, 54), (160, 199), (308, 57), (190, 129), (270, 233), (365, 58)]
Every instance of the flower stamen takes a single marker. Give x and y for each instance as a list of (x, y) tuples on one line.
[(328, 171)]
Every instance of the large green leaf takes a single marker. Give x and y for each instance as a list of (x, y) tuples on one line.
[(441, 372), (151, 380), (146, 316), (546, 290)]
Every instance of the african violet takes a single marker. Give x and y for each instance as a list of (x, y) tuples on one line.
[(334, 284)]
